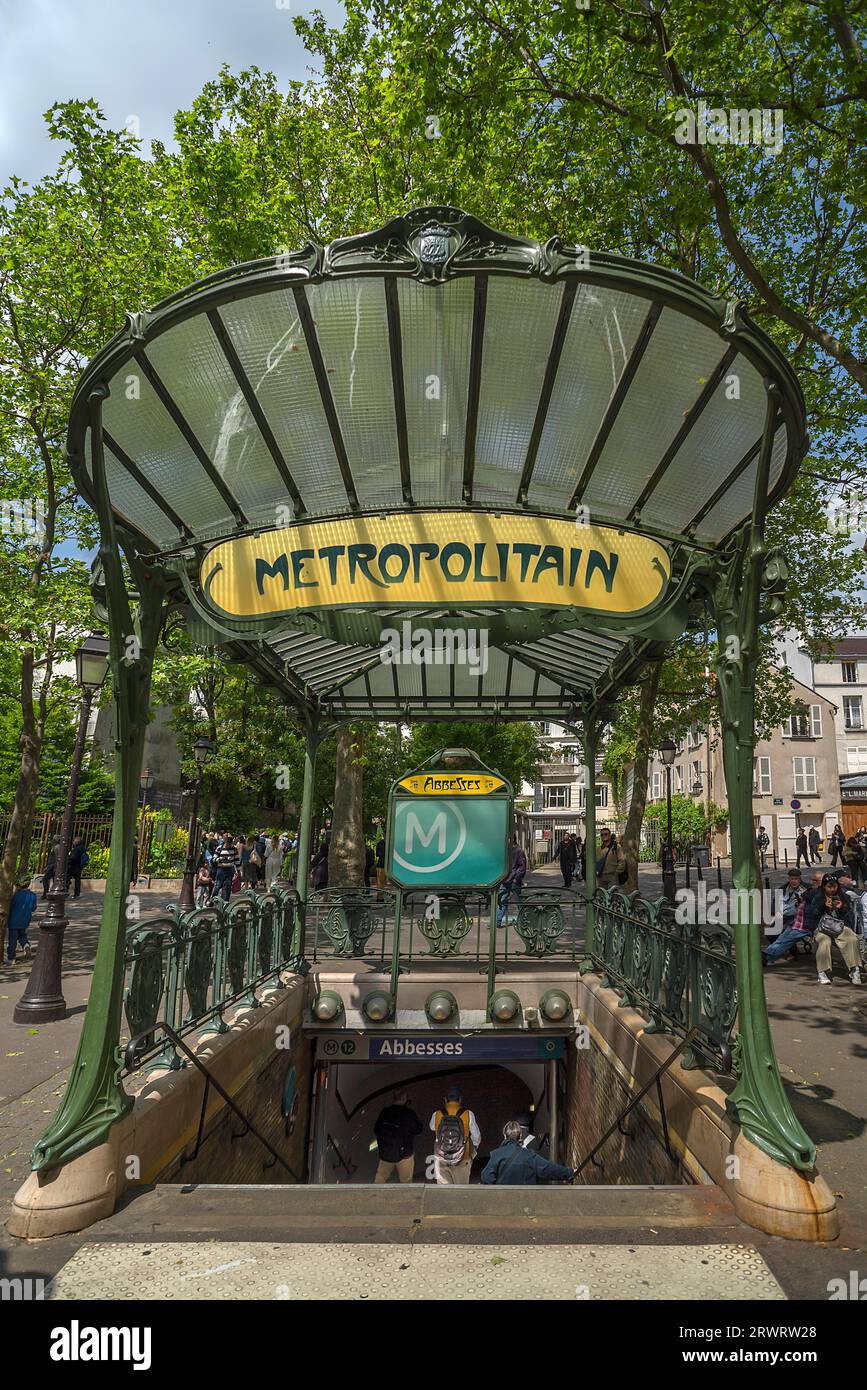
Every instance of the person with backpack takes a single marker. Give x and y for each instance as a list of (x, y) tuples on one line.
[(513, 1164), (396, 1129), (21, 909), (225, 864), (457, 1140)]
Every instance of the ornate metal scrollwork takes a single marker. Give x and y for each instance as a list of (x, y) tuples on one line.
[(147, 981), (539, 924), (349, 926), (445, 932)]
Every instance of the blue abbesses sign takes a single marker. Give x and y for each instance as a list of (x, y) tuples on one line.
[(490, 1047)]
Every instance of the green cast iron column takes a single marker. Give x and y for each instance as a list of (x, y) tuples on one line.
[(95, 1099), (759, 1099), (590, 747), (302, 875)]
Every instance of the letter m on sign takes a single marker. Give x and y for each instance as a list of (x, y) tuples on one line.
[(414, 827)]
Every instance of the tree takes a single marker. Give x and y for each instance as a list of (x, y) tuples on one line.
[(512, 749)]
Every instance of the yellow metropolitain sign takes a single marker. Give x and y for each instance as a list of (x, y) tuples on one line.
[(456, 559), (451, 784)]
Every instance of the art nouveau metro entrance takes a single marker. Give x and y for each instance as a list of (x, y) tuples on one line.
[(561, 451)]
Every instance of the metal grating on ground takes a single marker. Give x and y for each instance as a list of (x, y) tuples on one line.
[(247, 1270)]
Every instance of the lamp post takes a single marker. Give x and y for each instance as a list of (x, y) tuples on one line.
[(667, 752), (201, 750), (42, 1000)]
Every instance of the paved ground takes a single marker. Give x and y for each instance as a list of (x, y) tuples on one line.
[(820, 1034)]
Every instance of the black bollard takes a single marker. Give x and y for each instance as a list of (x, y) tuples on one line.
[(718, 872)]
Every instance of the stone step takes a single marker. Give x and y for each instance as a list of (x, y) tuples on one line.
[(422, 1212)]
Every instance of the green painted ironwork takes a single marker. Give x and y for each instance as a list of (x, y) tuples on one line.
[(679, 976), (185, 969)]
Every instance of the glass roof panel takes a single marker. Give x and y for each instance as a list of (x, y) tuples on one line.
[(268, 338), (738, 499), (679, 358), (193, 368), (603, 328), (132, 501), (726, 429), (352, 327), (146, 431), (437, 332), (516, 348)]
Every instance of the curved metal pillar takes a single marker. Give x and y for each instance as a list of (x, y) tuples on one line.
[(94, 1098), (759, 1100), (590, 747)]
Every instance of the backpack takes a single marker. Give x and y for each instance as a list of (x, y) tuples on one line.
[(450, 1144)]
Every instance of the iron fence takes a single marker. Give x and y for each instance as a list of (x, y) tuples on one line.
[(678, 975), (184, 969)]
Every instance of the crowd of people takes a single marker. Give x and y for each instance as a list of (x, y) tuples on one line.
[(829, 910), (457, 1140), (227, 863)]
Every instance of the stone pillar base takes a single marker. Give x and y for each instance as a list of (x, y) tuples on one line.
[(62, 1200), (778, 1199)]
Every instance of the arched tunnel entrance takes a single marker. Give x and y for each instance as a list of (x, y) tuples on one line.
[(350, 1095)]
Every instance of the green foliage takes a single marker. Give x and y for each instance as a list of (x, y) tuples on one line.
[(690, 820), (512, 749)]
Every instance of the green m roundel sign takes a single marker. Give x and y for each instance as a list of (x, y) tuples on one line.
[(443, 832)]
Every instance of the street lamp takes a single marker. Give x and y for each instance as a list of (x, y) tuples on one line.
[(668, 752), (42, 1000), (201, 749)]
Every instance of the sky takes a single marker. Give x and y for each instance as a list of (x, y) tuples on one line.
[(143, 58)]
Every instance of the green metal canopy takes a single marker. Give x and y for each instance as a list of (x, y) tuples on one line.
[(438, 364)]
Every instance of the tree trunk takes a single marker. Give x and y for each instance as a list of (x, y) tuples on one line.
[(346, 854), (25, 792), (638, 800)]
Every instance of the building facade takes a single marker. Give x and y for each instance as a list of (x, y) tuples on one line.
[(555, 804), (796, 779)]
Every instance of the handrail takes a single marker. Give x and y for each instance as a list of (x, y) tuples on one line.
[(177, 1041), (331, 1142), (654, 1081)]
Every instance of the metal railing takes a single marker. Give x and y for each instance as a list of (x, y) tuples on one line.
[(184, 969), (176, 1041), (681, 977)]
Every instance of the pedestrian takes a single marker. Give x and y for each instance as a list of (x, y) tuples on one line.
[(273, 862), (77, 863), (396, 1128), (380, 867), (250, 863), (515, 1165), (21, 909), (762, 842), (568, 856), (204, 883), (793, 933), (369, 864), (226, 862), (853, 858), (814, 840), (829, 914), (803, 849), (836, 843), (579, 857), (50, 866), (456, 1140), (513, 882), (611, 863), (319, 865)]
